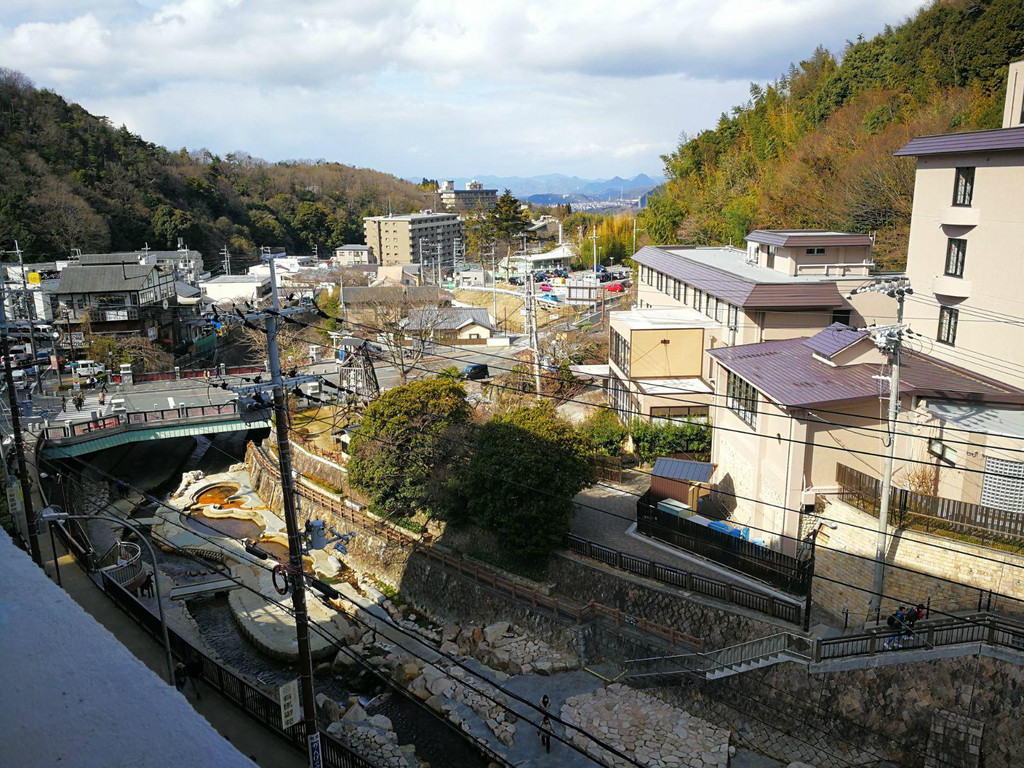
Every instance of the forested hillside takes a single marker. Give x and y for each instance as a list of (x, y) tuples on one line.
[(71, 180), (814, 148)]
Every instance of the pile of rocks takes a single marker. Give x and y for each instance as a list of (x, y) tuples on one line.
[(374, 738), (507, 649), (651, 731), (444, 689)]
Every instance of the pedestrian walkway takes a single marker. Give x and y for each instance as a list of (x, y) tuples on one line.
[(248, 736)]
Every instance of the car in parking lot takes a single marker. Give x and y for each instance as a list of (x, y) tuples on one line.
[(615, 287), (515, 280), (545, 286)]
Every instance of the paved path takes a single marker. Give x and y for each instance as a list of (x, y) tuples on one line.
[(262, 746), (605, 513)]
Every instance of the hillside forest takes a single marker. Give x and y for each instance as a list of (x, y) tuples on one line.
[(72, 180), (813, 149)]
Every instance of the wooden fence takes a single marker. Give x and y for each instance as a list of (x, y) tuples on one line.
[(563, 609), (909, 508)]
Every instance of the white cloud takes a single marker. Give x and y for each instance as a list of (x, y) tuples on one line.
[(425, 87)]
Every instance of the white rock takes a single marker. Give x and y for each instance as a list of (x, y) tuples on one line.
[(495, 631)]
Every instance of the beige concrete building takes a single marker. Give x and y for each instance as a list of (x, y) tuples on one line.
[(353, 255), (414, 238), (794, 409), (786, 283), (473, 197), (967, 244)]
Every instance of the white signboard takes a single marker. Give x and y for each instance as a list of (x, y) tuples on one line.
[(288, 697)]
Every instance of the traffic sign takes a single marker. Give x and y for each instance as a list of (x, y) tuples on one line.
[(34, 278)]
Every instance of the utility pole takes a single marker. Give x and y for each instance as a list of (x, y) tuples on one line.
[(19, 443), (593, 242), (226, 259), (295, 572), (634, 234), (889, 339), (531, 322), (494, 284)]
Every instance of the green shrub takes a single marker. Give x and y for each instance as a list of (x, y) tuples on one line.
[(652, 440), (604, 432)]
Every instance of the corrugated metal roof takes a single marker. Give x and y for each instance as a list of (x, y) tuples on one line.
[(787, 372), (792, 238), (103, 278), (999, 139), (739, 283), (682, 469), (833, 339)]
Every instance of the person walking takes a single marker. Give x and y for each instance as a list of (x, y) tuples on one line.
[(194, 673), (897, 622), (180, 678), (545, 733), (914, 614), (63, 403), (102, 398)]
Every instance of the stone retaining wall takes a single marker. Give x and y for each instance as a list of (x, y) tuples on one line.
[(845, 556), (865, 716), (695, 615)]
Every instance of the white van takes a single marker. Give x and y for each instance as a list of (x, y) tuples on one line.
[(20, 379), (87, 368)]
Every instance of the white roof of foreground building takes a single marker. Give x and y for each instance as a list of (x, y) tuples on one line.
[(71, 694)]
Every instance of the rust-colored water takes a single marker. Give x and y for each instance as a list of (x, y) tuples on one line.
[(219, 495)]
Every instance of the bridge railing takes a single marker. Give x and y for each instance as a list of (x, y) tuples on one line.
[(117, 422)]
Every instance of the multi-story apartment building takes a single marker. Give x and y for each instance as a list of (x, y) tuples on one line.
[(353, 255), (414, 238), (967, 243), (474, 196), (792, 410), (786, 283)]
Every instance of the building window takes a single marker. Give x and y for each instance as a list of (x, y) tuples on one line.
[(947, 325), (734, 317), (686, 293), (676, 287), (661, 282), (770, 261), (720, 311), (963, 191), (956, 250), (814, 251), (841, 316), (709, 308), (698, 299), (619, 351), (741, 398)]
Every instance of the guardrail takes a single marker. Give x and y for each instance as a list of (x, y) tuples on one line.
[(788, 573), (120, 422), (984, 629), (691, 582)]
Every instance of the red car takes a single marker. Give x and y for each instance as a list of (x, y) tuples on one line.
[(615, 287), (545, 286)]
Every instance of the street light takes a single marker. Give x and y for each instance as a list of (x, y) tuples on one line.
[(52, 514)]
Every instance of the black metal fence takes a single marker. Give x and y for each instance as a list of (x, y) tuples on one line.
[(908, 508), (692, 582), (788, 573), (256, 703)]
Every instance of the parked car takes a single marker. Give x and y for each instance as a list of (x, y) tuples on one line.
[(515, 280), (476, 372), (87, 368), (604, 277), (545, 286), (614, 287), (540, 276)]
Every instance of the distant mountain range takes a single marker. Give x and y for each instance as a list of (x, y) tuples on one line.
[(553, 188)]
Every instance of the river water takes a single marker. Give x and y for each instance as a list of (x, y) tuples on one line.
[(434, 741)]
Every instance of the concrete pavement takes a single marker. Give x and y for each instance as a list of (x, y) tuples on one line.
[(248, 736)]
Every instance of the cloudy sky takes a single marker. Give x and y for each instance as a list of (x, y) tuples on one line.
[(425, 87)]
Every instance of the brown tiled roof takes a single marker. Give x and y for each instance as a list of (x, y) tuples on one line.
[(999, 139), (787, 372), (798, 238), (748, 292)]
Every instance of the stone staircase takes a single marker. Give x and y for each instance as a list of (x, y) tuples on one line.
[(724, 662)]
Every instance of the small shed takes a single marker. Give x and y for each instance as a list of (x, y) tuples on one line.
[(684, 480)]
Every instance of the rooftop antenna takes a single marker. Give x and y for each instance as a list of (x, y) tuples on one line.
[(389, 206), (181, 243), (145, 248), (227, 260)]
